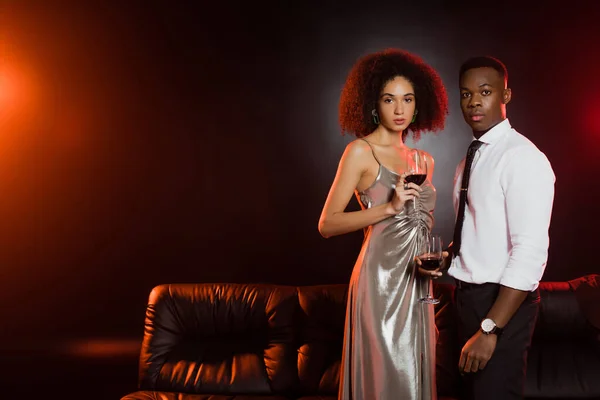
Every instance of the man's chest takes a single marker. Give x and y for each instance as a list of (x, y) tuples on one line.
[(484, 187)]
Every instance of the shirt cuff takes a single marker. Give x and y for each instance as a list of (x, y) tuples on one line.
[(518, 281)]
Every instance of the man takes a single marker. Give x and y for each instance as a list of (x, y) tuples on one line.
[(500, 244)]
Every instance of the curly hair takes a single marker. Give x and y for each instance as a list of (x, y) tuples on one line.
[(372, 72)]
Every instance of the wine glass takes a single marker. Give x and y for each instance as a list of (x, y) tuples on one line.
[(417, 165), (431, 259)]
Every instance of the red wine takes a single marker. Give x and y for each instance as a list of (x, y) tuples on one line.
[(416, 178), (430, 263)]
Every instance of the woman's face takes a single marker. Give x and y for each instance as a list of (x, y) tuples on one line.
[(396, 105)]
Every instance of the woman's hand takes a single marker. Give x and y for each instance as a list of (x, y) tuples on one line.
[(404, 192)]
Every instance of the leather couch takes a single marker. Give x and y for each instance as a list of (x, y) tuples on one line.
[(258, 341)]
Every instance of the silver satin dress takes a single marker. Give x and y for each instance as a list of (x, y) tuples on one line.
[(389, 337)]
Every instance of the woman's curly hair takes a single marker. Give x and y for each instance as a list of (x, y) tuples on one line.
[(366, 80)]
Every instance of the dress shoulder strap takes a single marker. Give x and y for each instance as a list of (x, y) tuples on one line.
[(372, 150)]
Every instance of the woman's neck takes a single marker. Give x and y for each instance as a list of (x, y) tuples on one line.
[(385, 137)]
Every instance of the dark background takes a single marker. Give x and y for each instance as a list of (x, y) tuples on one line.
[(151, 142)]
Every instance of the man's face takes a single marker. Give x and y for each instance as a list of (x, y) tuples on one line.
[(483, 98)]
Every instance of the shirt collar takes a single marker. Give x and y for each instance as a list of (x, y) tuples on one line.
[(496, 133)]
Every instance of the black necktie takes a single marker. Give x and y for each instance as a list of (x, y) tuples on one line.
[(463, 196)]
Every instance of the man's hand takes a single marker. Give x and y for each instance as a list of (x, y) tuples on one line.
[(447, 259), (477, 352), (433, 274)]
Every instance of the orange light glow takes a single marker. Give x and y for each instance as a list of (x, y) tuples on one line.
[(15, 90), (18, 96), (8, 91)]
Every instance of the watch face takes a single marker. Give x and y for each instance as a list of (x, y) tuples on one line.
[(487, 325)]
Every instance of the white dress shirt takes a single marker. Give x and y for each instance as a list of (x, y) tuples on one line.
[(507, 216)]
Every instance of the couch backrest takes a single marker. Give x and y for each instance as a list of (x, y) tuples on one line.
[(271, 339), (560, 316), (219, 338), (320, 337), (564, 359)]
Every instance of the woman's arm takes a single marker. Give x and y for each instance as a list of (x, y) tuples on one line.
[(334, 220)]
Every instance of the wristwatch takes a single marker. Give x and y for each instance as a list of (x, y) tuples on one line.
[(488, 327)]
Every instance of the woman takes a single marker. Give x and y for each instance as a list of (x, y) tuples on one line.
[(389, 340)]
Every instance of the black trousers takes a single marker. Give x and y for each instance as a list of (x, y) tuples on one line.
[(503, 378)]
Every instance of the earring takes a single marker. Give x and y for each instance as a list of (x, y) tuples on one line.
[(414, 118), (376, 120)]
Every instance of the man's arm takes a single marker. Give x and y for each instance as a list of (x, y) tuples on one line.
[(528, 185), (507, 303)]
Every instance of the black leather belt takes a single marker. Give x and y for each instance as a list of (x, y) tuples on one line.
[(466, 285)]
